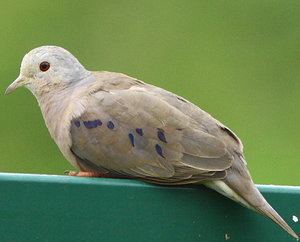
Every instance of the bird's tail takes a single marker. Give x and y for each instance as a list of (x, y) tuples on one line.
[(239, 187)]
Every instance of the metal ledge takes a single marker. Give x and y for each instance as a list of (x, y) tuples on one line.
[(62, 208)]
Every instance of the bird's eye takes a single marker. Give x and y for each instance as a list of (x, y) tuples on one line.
[(44, 66)]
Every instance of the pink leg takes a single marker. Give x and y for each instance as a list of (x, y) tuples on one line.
[(94, 174)]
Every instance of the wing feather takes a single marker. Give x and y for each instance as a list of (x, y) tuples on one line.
[(133, 133)]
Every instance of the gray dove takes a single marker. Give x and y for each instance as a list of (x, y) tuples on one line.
[(108, 124)]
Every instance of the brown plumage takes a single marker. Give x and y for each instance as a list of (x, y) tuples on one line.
[(115, 124)]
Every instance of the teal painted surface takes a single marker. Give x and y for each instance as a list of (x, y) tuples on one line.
[(61, 208)]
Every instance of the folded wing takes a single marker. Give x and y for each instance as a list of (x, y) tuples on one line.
[(136, 134)]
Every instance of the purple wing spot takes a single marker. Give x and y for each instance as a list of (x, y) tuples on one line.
[(161, 135), (139, 131), (110, 125), (159, 150), (98, 122), (89, 124), (77, 123), (131, 138), (92, 124)]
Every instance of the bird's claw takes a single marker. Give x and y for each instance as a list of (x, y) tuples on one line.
[(71, 173)]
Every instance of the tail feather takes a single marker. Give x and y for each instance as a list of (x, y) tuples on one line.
[(265, 210), (239, 187), (268, 211)]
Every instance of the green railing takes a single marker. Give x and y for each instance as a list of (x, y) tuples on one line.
[(62, 208)]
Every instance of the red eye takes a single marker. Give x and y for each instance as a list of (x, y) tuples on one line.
[(44, 66)]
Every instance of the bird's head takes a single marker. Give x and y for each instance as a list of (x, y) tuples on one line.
[(46, 68)]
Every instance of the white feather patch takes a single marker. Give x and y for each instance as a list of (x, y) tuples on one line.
[(225, 190)]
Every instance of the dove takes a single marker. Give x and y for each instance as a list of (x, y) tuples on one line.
[(109, 124)]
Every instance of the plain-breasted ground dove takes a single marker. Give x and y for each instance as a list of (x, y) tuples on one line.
[(110, 124)]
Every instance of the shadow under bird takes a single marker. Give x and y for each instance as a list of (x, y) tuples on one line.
[(111, 125)]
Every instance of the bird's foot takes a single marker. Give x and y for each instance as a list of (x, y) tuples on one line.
[(86, 174), (92, 174)]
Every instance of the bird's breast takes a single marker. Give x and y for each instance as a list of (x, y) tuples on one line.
[(58, 110)]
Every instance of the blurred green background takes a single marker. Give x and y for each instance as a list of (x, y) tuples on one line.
[(238, 60)]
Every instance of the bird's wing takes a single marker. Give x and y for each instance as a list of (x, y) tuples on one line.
[(134, 133)]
